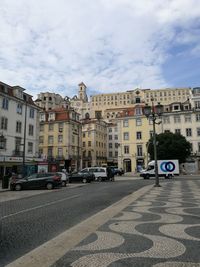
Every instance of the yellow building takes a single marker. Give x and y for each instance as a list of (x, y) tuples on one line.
[(60, 139), (134, 132), (94, 142)]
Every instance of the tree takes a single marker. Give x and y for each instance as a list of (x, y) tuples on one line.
[(170, 146)]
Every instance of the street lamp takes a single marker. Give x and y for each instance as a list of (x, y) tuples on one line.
[(154, 112)]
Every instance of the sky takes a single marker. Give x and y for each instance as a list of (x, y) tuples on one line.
[(110, 45)]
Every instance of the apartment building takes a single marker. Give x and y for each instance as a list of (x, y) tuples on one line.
[(60, 139), (110, 105), (94, 137), (18, 130)]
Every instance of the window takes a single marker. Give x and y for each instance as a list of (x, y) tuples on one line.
[(198, 117), (116, 145), (198, 147), (83, 134), (3, 143), (187, 118), (176, 107), (42, 117), (138, 122), (51, 126), (166, 119), (60, 152), (139, 135), (30, 147), (31, 113), (17, 143), (116, 137), (60, 138), (50, 139), (19, 108), (60, 127), (138, 111), (139, 150), (125, 123), (110, 154), (5, 103), (30, 129), (188, 132), (18, 127), (50, 152), (83, 144), (110, 145), (4, 123), (126, 136), (126, 149), (41, 127), (197, 104), (198, 131), (89, 143), (191, 144), (110, 130), (116, 153), (177, 131), (41, 139), (110, 137), (177, 119)]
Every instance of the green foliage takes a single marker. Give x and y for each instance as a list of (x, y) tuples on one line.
[(170, 146)]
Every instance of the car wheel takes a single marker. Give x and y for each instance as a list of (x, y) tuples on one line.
[(49, 186), (18, 187), (99, 179), (84, 180), (63, 183)]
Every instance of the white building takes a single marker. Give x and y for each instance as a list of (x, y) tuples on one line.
[(18, 129)]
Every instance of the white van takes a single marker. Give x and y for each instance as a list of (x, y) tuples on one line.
[(166, 168), (99, 173)]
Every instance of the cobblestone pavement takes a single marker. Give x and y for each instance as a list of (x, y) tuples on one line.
[(161, 229)]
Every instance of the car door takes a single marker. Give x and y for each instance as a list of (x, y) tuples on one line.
[(76, 177), (31, 181)]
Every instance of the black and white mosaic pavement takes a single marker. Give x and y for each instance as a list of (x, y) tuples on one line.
[(161, 229)]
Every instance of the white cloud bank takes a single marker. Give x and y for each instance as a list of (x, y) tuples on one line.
[(111, 45)]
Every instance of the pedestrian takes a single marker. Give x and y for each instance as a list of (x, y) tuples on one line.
[(110, 174)]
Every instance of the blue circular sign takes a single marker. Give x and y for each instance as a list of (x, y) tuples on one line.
[(167, 166)]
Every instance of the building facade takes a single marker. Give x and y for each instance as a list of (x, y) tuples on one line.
[(94, 137), (60, 139), (18, 130)]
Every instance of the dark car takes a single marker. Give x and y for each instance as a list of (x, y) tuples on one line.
[(84, 177), (47, 180)]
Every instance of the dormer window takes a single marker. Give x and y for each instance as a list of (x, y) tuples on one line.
[(176, 107), (51, 116), (42, 117)]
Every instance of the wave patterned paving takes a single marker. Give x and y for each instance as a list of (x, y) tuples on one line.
[(161, 229)]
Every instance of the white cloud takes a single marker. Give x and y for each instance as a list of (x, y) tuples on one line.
[(110, 45)]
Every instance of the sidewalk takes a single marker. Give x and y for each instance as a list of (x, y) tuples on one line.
[(160, 229), (154, 226)]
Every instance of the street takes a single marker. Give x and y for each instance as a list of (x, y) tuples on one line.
[(125, 223), (29, 222)]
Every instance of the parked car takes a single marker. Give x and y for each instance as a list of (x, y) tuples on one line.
[(84, 177), (48, 180), (100, 173), (64, 178)]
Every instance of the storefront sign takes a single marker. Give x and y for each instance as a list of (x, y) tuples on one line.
[(13, 159)]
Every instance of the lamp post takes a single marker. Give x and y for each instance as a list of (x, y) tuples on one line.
[(154, 112)]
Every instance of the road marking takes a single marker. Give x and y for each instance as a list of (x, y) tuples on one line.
[(51, 251), (38, 207)]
